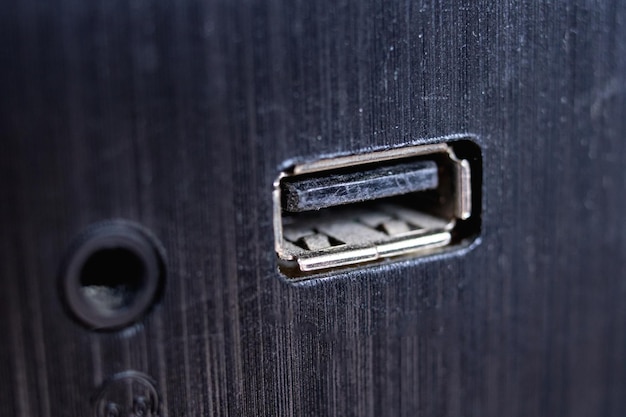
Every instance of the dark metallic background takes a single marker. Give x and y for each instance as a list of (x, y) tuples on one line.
[(180, 114)]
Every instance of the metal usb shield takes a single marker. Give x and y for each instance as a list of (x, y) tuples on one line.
[(353, 210)]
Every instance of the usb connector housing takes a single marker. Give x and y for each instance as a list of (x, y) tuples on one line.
[(353, 210)]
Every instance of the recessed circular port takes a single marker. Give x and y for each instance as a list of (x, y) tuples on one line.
[(113, 275)]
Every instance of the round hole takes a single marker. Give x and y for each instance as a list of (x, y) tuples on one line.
[(111, 279), (112, 276)]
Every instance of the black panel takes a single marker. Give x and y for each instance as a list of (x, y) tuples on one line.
[(178, 115)]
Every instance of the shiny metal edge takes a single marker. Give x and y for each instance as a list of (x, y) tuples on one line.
[(367, 158), (463, 179), (353, 256)]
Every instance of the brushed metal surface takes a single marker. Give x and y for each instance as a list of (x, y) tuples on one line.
[(178, 115)]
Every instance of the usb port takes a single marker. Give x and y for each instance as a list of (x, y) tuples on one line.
[(358, 209)]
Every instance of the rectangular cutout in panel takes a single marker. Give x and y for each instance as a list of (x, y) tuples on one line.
[(354, 210)]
